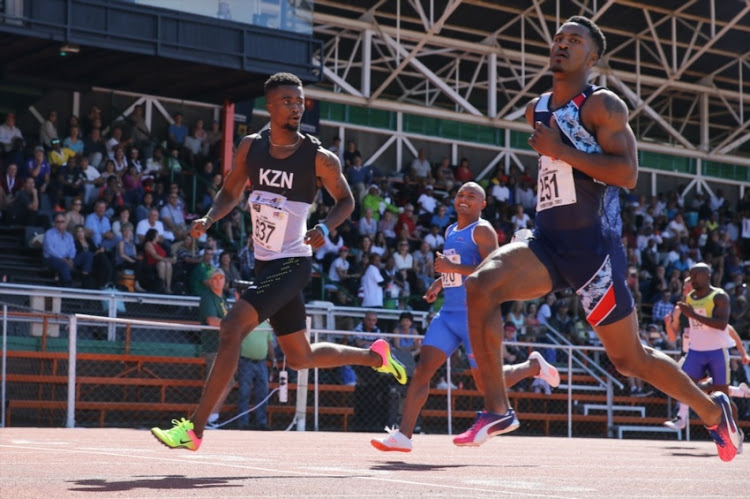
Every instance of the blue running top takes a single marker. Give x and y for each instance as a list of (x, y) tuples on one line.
[(459, 247)]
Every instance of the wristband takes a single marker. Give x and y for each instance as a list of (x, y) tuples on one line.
[(211, 219), (323, 228)]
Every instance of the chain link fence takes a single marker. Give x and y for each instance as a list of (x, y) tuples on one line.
[(146, 366)]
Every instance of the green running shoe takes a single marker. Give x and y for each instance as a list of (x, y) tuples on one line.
[(180, 435), (390, 363)]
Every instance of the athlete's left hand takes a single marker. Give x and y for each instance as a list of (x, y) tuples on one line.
[(442, 263), (546, 139), (685, 309), (745, 359), (314, 237)]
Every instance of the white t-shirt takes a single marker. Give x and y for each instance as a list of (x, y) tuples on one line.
[(338, 263), (435, 241), (501, 193), (427, 203), (143, 227), (373, 293)]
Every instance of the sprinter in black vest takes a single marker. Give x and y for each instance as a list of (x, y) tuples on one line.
[(285, 170)]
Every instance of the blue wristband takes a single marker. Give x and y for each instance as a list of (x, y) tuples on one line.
[(323, 228)]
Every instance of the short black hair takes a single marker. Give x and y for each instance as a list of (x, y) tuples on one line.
[(596, 33), (281, 80)]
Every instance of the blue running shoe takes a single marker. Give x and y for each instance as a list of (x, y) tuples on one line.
[(726, 434), (486, 425)]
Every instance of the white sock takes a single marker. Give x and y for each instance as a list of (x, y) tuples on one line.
[(682, 411), (214, 417), (736, 392)]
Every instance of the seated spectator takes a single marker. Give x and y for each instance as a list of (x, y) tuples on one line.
[(48, 129), (111, 195), (421, 169), (177, 133), (372, 284), (427, 205), (517, 316), (351, 153), (74, 142), (156, 168), (152, 222), (95, 148), (330, 249), (520, 219), (120, 160), (39, 169), (156, 258), (94, 180), (59, 252), (71, 181), (116, 141), (377, 203), (134, 159), (379, 245), (368, 226), (188, 256), (441, 219), (123, 218), (411, 344), (387, 226), (463, 172), (24, 209), (11, 141), (424, 267), (59, 156), (358, 176), (126, 255), (144, 208), (435, 239), (406, 227), (99, 228), (10, 184), (231, 273), (74, 217), (341, 281), (172, 216), (444, 178), (102, 271)]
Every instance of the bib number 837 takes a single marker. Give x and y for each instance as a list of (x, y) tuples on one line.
[(263, 231)]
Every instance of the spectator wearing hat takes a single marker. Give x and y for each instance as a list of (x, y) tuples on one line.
[(59, 156), (375, 201)]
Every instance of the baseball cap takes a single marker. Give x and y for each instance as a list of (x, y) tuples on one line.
[(38, 148), (55, 141), (428, 187)]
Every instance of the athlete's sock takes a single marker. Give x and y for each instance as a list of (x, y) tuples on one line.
[(682, 411), (736, 392)]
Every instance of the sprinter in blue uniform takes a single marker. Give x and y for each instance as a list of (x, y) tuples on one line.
[(587, 151), (467, 242)]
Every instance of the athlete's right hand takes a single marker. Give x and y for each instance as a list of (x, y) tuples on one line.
[(199, 227), (442, 263), (432, 292)]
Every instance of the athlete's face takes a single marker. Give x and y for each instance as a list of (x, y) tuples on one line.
[(469, 200), (572, 49), (700, 278), (286, 104)]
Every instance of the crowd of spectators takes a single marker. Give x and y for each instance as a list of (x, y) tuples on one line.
[(121, 195)]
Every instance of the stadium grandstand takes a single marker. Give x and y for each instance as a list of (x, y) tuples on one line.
[(128, 110)]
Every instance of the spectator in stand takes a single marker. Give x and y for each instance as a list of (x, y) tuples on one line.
[(172, 216), (94, 116), (677, 227), (188, 255), (139, 131), (411, 344), (134, 159), (662, 307), (126, 255), (99, 228), (421, 169), (372, 284), (252, 378), (58, 156), (102, 272), (359, 176), (463, 172), (24, 209), (441, 219), (48, 129), (231, 273), (532, 325), (379, 245), (143, 209), (517, 316), (525, 195), (123, 218), (427, 205), (424, 267), (11, 141), (156, 258), (435, 239), (151, 222), (342, 282), (112, 196), (121, 162), (378, 204), (71, 181), (59, 252), (39, 169), (94, 179), (213, 140), (368, 226), (201, 272), (545, 310), (337, 149), (520, 219), (406, 227), (176, 133), (107, 172), (156, 168), (10, 184), (116, 140), (351, 153), (194, 143), (74, 217), (95, 148), (387, 227), (74, 141), (330, 249), (500, 190), (132, 186), (444, 178), (247, 259)]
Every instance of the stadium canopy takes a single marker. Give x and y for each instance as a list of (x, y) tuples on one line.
[(682, 66)]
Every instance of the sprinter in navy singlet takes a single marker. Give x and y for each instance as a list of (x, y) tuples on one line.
[(285, 170), (587, 152)]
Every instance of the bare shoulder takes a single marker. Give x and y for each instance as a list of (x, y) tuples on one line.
[(606, 104), (326, 163), (484, 231)]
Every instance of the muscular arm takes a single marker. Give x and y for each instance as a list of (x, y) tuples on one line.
[(607, 116), (234, 185), (720, 318), (328, 171), (738, 343)]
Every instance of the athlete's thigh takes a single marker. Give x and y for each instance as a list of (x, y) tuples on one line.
[(718, 367), (440, 336), (241, 317), (515, 272), (620, 339)]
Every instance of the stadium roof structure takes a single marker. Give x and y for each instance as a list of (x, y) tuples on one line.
[(682, 66)]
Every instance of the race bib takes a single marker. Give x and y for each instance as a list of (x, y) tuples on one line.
[(555, 185), (696, 325), (269, 219), (452, 279)]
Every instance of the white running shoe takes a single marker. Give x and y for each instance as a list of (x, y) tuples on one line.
[(677, 423), (547, 371), (395, 441), (744, 389)]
